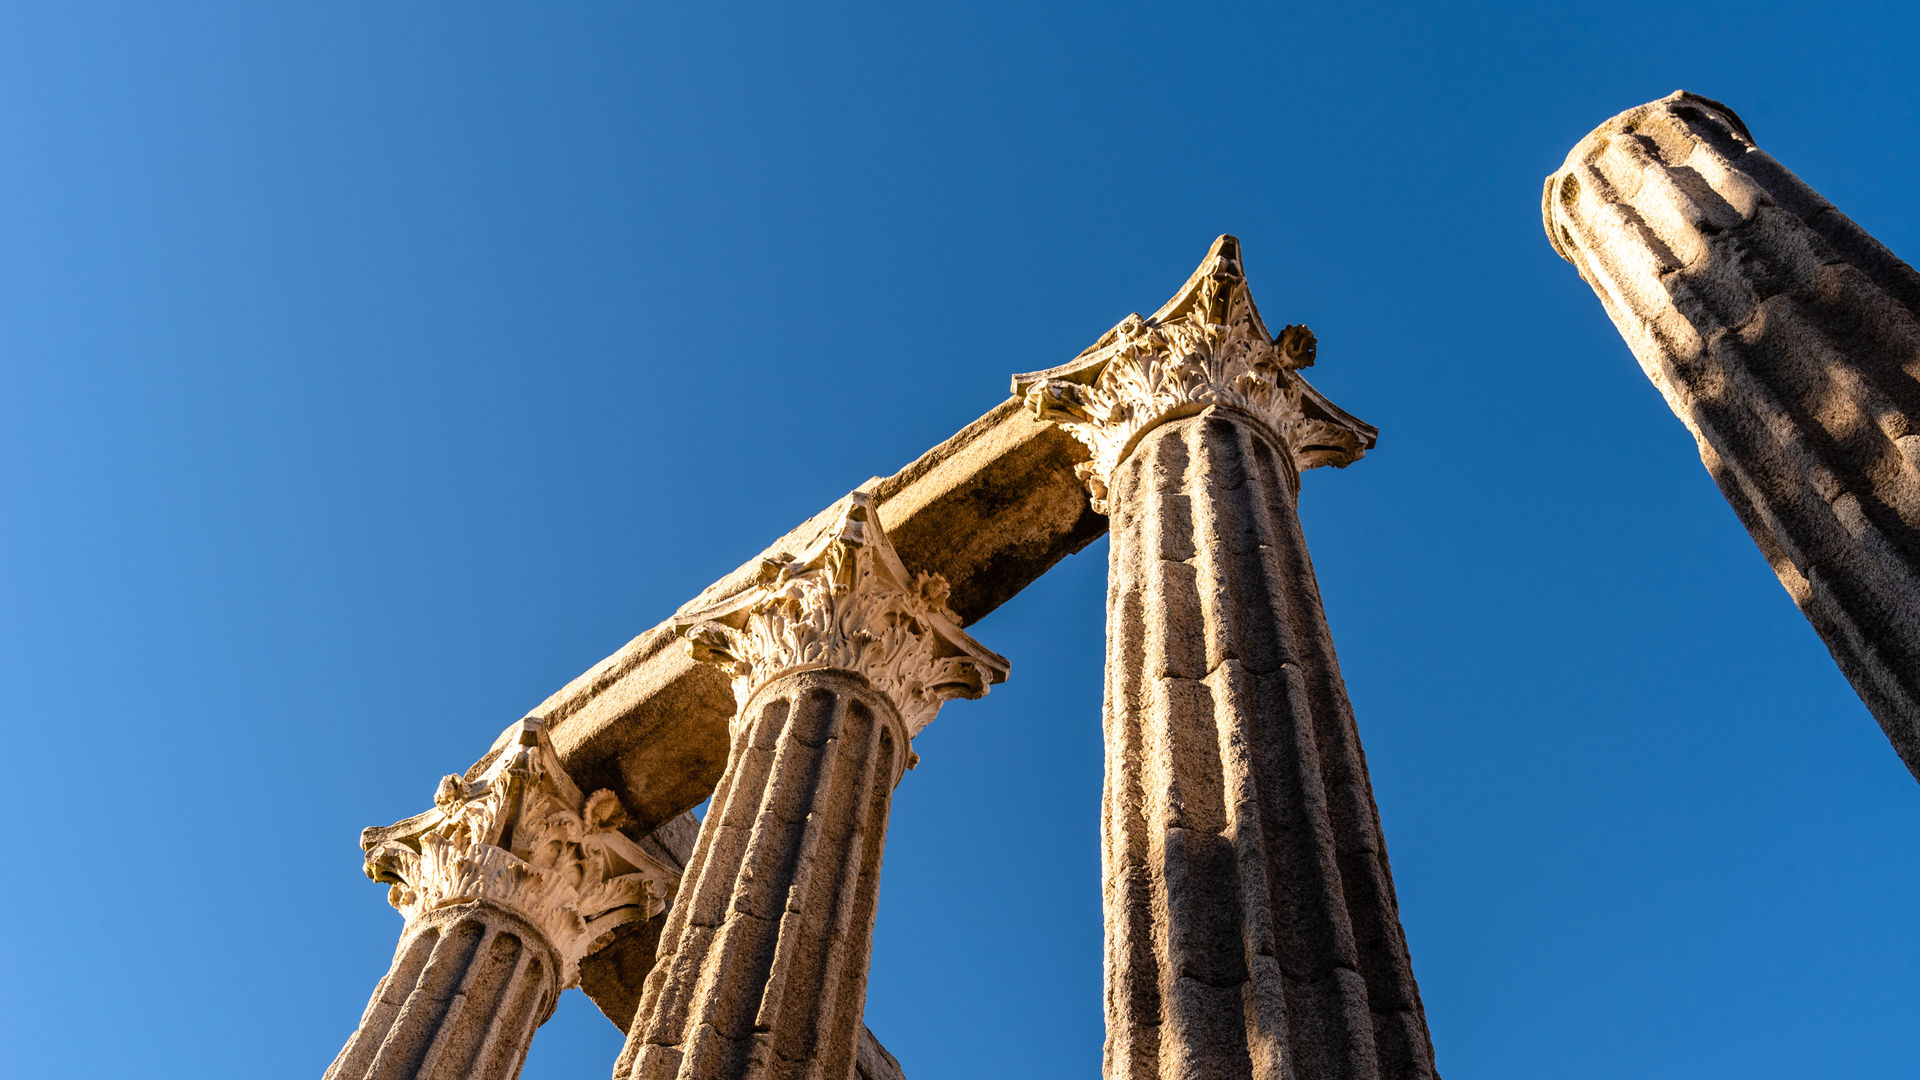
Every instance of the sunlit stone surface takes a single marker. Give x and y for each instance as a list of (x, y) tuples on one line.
[(1788, 341), (838, 657), (1252, 929), (506, 884), (1252, 926)]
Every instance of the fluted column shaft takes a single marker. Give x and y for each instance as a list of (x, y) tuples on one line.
[(1252, 928), (1788, 341), (762, 968), (468, 986), (839, 655)]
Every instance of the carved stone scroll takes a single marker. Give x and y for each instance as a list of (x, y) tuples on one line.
[(988, 509), (838, 656), (848, 603), (1206, 347), (506, 884), (1252, 929), (1787, 340)]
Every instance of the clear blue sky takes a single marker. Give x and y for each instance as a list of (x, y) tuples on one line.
[(370, 371)]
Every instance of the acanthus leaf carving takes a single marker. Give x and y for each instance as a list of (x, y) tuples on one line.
[(846, 602), (1207, 346), (522, 835)]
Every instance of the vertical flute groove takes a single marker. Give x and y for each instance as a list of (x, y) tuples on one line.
[(1787, 340), (1252, 928), (771, 982), (469, 984)]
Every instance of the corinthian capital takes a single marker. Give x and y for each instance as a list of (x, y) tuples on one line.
[(846, 602), (524, 837), (1206, 346)]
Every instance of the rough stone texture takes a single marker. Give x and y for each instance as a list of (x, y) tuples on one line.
[(1252, 929), (616, 990), (469, 984), (838, 656), (612, 975), (1788, 341), (1251, 921), (873, 1062), (763, 963), (506, 884), (1208, 346), (990, 510), (522, 835), (845, 601)]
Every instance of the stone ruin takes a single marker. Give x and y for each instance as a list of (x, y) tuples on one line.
[(1251, 924), (1787, 340)]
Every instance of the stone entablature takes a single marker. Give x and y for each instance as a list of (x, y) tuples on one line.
[(523, 836), (845, 602), (1206, 347)]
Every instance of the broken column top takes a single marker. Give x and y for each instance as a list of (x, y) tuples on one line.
[(1682, 104)]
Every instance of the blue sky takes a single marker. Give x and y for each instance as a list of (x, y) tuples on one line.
[(369, 372)]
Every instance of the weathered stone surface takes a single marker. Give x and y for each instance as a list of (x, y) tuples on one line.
[(612, 974), (1252, 928), (1251, 920), (469, 984), (616, 989), (506, 884), (847, 602), (523, 836), (1205, 347), (838, 656), (873, 1062), (990, 510), (763, 963), (1788, 341)]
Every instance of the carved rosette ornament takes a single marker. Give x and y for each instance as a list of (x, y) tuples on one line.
[(1206, 347), (846, 602), (521, 835)]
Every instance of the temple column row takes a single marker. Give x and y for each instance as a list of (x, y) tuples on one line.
[(839, 657), (1252, 929)]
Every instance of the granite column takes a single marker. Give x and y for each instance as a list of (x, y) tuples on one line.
[(1252, 927), (1787, 340), (839, 657)]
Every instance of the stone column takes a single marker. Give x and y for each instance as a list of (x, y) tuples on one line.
[(1252, 929), (838, 657), (1788, 341), (509, 881)]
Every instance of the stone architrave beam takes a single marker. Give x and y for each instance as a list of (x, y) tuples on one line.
[(990, 510), (1787, 340)]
